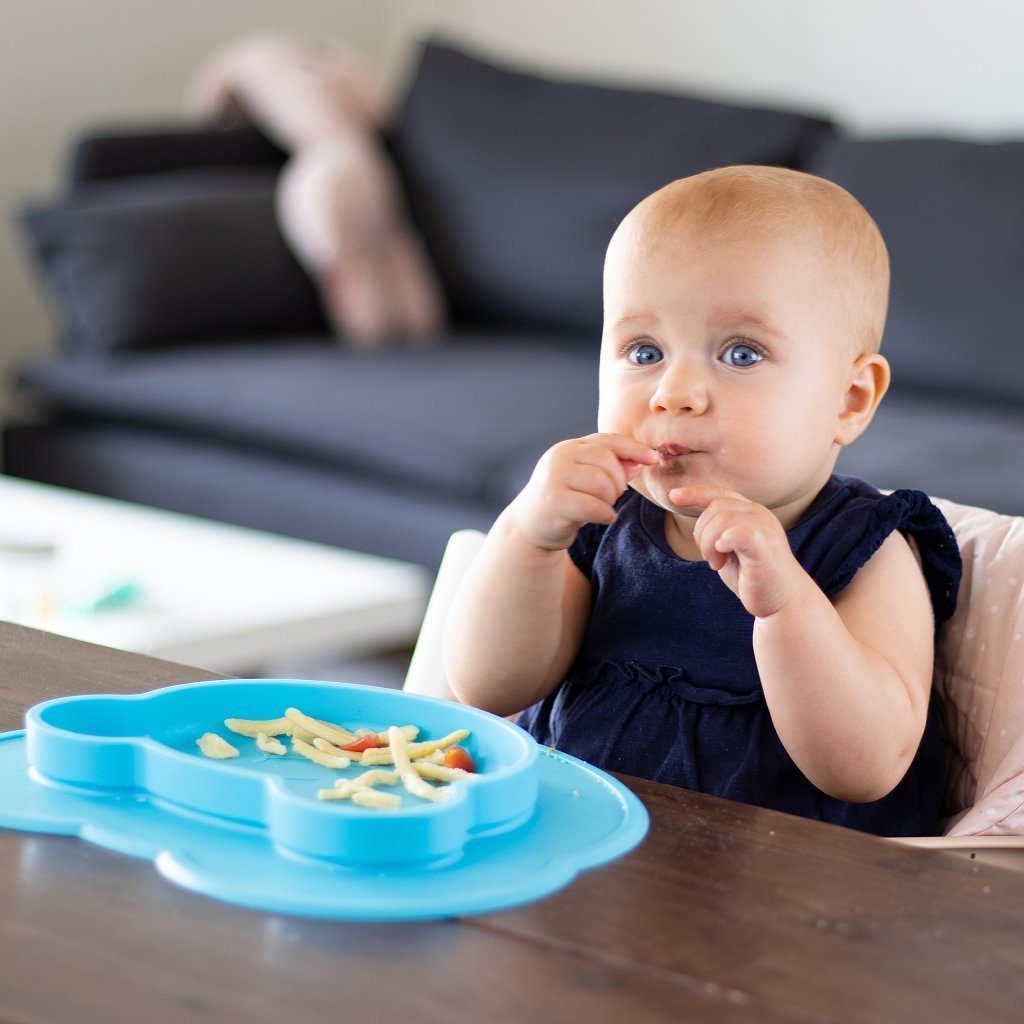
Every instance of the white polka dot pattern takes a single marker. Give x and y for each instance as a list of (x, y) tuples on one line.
[(979, 674)]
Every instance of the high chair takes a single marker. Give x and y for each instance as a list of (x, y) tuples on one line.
[(426, 669), (979, 676)]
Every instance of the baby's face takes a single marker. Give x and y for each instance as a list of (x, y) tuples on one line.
[(730, 353)]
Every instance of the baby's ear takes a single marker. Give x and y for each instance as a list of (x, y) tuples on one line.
[(866, 383)]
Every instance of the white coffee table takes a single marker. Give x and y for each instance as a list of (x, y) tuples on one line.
[(208, 594)]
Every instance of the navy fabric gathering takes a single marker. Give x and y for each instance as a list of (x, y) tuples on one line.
[(665, 686)]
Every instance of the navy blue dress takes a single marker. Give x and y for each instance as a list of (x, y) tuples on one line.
[(665, 685)]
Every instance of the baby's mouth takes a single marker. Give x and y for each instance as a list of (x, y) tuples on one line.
[(672, 451)]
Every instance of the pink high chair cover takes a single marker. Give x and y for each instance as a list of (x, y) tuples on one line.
[(979, 672)]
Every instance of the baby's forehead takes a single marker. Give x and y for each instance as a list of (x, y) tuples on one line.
[(764, 202), (801, 212)]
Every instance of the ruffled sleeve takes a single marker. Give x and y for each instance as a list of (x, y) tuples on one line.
[(913, 514), (584, 547)]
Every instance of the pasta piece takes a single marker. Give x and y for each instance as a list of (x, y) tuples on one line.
[(250, 727), (269, 745), (409, 731), (409, 776), (318, 756), (346, 788), (376, 777), (328, 748), (331, 733), (373, 798), (428, 770), (271, 727), (384, 755), (215, 746)]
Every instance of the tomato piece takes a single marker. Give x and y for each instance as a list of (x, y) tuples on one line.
[(365, 743), (458, 757)]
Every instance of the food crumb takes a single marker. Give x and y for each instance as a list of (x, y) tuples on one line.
[(576, 793)]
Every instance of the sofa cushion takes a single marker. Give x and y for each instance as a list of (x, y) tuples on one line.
[(952, 214), (166, 258), (375, 414), (517, 182)]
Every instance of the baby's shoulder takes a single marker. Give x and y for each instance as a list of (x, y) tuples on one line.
[(855, 521)]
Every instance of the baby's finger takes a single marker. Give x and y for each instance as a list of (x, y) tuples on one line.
[(601, 458), (582, 507), (626, 449), (700, 496), (707, 539), (719, 507), (747, 541), (594, 480), (713, 524)]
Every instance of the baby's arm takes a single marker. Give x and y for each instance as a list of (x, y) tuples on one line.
[(519, 616), (847, 683)]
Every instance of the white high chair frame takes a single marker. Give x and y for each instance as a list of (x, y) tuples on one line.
[(426, 676)]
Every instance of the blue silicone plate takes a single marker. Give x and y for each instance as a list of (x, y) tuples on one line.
[(125, 773), (147, 743)]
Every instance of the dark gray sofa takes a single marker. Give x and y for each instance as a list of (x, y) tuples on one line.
[(196, 373)]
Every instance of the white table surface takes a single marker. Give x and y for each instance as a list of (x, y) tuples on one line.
[(212, 595)]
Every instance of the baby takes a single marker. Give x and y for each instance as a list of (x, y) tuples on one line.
[(691, 595)]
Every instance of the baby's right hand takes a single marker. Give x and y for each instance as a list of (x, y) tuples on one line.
[(577, 481)]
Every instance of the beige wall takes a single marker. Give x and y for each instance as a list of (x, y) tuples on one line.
[(878, 65)]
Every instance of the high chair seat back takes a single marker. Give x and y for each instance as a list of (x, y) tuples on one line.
[(426, 669), (979, 674)]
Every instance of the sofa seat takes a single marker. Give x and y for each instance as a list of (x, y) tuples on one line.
[(505, 399)]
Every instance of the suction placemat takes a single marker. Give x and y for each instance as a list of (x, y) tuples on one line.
[(575, 816)]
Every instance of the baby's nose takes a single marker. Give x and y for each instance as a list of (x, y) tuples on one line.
[(680, 390)]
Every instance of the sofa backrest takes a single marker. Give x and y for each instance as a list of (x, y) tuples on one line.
[(952, 214), (517, 182), (170, 236), (102, 155)]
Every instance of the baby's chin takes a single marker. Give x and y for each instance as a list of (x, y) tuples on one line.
[(658, 495)]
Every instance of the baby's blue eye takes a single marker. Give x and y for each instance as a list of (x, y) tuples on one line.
[(645, 355), (742, 355)]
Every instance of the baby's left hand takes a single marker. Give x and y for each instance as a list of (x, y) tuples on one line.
[(745, 544)]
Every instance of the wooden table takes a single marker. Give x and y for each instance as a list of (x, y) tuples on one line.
[(724, 913)]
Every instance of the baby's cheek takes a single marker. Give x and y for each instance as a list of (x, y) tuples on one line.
[(610, 417), (606, 399)]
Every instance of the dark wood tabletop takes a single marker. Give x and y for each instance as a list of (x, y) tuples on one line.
[(724, 913)]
